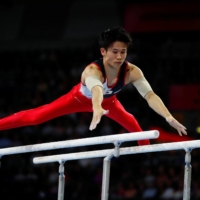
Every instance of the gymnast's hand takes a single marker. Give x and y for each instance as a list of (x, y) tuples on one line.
[(98, 112), (174, 123)]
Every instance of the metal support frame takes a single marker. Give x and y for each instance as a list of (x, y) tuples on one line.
[(188, 146), (187, 175), (106, 170), (106, 177), (61, 184)]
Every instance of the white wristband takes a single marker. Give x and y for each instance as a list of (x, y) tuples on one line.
[(92, 81)]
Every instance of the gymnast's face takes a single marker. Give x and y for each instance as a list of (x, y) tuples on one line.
[(115, 55)]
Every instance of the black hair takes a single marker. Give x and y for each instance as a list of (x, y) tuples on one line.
[(117, 33)]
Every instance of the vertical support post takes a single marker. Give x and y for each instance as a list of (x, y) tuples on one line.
[(106, 171), (61, 184), (187, 175), (106, 176)]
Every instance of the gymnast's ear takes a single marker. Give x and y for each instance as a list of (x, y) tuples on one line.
[(103, 51)]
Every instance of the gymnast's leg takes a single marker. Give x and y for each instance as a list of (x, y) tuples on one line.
[(125, 119), (66, 104)]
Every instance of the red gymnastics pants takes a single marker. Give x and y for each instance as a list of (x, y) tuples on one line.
[(72, 102)]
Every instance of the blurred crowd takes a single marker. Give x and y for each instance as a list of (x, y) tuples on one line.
[(34, 78)]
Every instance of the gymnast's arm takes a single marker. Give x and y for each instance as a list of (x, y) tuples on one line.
[(158, 106), (92, 78), (153, 100)]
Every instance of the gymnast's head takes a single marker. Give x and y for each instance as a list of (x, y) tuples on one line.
[(109, 36)]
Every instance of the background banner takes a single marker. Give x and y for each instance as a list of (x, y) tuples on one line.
[(162, 16), (184, 97)]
